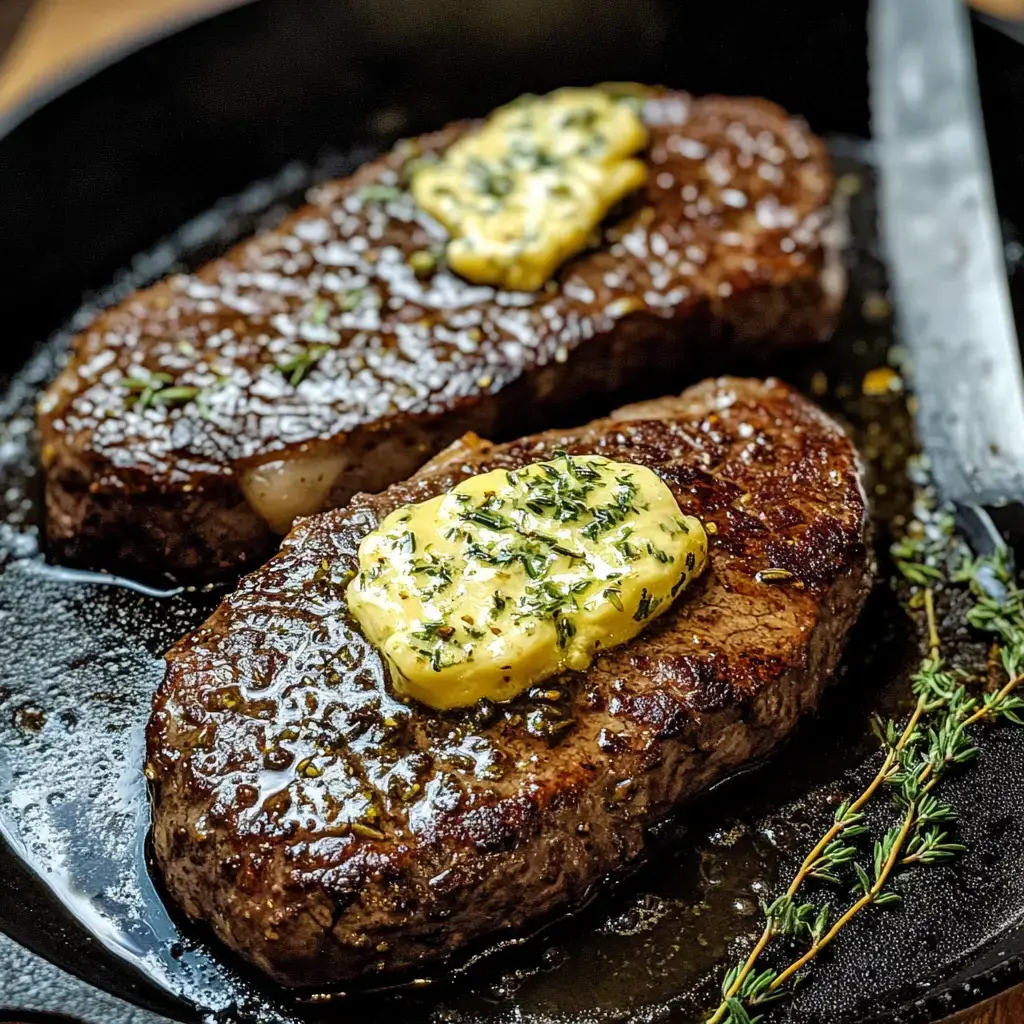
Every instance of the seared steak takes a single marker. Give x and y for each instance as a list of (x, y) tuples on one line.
[(198, 417), (328, 831)]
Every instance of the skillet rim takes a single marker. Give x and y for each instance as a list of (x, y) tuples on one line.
[(64, 81)]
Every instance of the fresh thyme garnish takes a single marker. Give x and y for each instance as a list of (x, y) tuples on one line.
[(348, 301), (296, 365), (319, 312), (159, 389), (379, 193), (918, 756)]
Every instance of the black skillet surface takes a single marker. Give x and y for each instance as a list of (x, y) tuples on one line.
[(156, 139)]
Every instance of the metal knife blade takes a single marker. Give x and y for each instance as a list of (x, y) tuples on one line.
[(941, 232)]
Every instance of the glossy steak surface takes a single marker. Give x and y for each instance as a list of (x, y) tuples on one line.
[(328, 831), (320, 359)]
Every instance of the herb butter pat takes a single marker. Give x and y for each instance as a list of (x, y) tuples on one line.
[(524, 193), (515, 576)]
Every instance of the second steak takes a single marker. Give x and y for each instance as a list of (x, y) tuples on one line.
[(333, 354)]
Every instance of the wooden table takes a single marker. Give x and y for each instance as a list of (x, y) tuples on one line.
[(59, 33), (1005, 1009)]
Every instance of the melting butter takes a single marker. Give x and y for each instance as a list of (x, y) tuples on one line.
[(512, 577), (524, 193)]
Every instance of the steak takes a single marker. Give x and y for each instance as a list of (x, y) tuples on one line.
[(328, 831), (197, 418)]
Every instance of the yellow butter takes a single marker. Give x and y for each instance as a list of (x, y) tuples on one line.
[(524, 193), (513, 577)]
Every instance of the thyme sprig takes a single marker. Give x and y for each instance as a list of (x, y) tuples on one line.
[(159, 389), (934, 741)]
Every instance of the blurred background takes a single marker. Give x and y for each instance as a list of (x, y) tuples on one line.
[(44, 39)]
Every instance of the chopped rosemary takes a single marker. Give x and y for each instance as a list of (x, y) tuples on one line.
[(433, 631), (625, 548), (919, 754), (488, 179), (656, 553), (437, 573), (646, 606)]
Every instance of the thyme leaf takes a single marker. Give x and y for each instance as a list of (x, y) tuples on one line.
[(159, 389), (919, 754), (379, 193), (296, 365)]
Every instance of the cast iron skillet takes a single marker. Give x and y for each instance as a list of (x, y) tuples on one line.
[(279, 92)]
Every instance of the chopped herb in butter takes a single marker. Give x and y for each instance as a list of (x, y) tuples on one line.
[(524, 192), (514, 576)]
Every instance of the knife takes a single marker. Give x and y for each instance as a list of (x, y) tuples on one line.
[(940, 230)]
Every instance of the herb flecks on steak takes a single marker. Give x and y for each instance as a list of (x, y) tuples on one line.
[(337, 352), (327, 830)]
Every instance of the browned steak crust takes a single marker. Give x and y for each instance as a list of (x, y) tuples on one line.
[(723, 250), (327, 830)]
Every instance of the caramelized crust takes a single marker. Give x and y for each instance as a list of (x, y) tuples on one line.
[(723, 250), (328, 831)]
